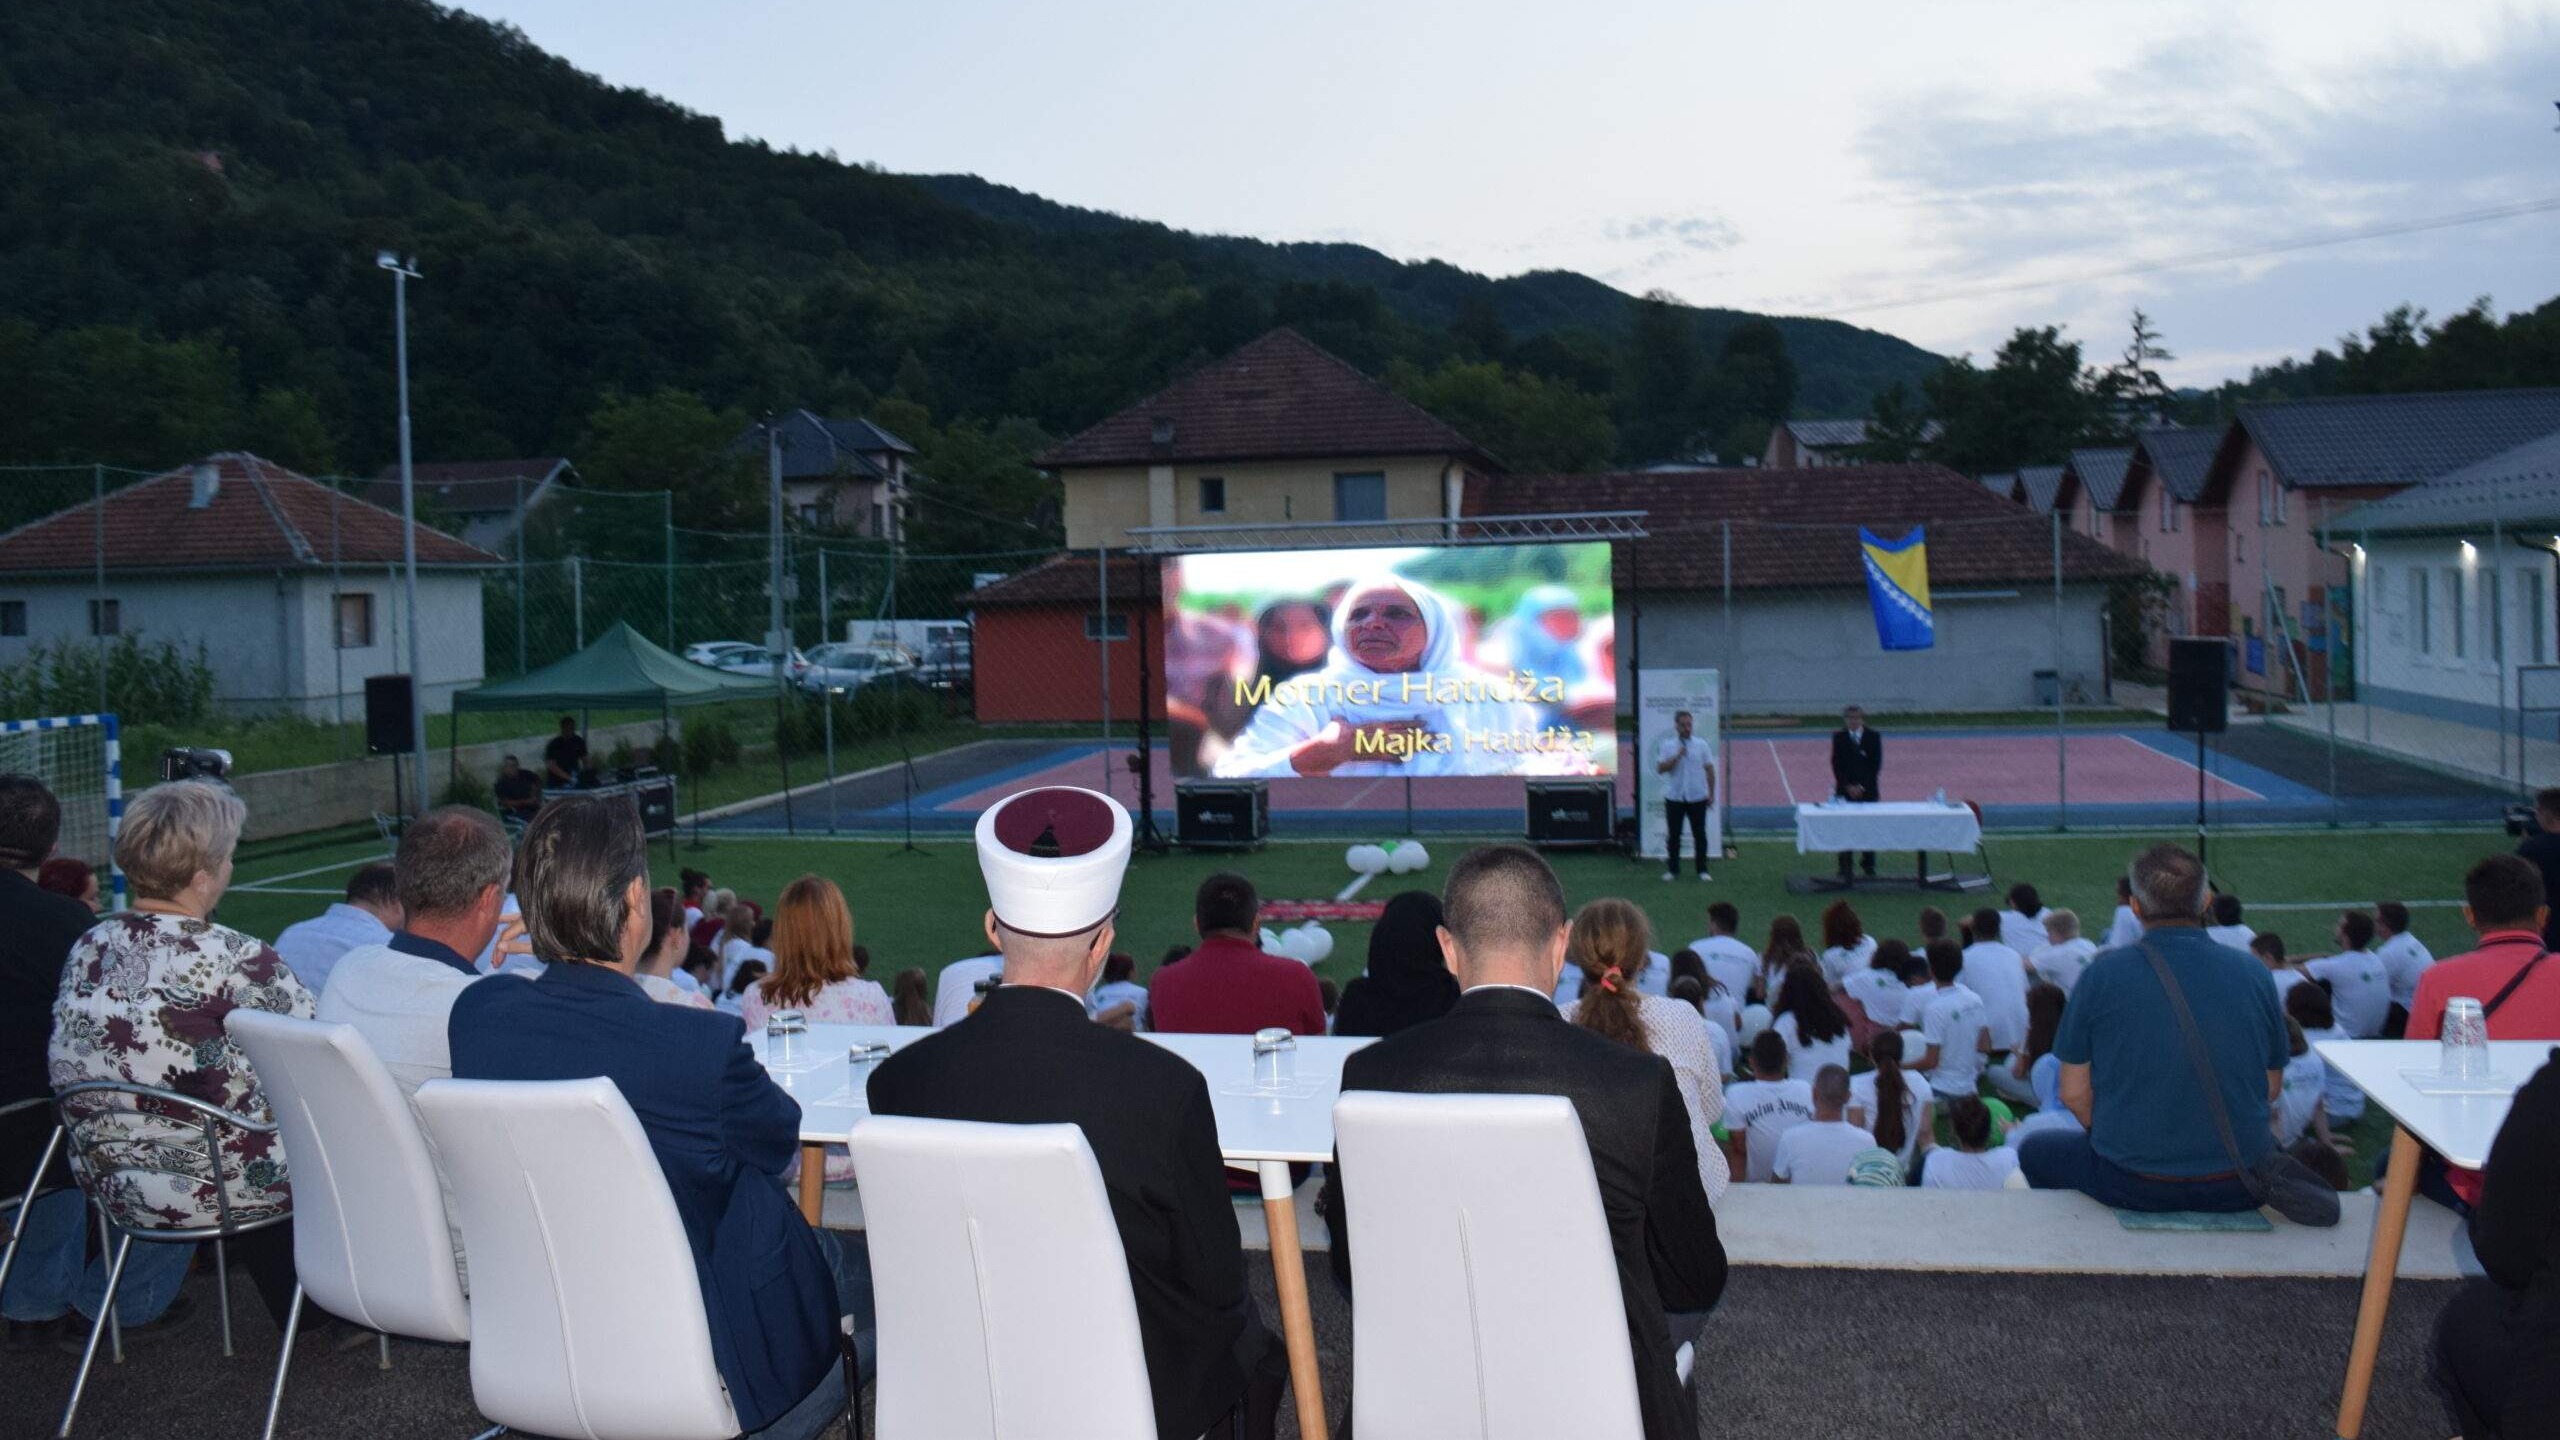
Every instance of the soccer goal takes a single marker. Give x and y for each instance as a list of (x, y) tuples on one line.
[(79, 759)]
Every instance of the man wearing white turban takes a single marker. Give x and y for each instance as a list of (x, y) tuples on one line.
[(1394, 699), (1053, 860)]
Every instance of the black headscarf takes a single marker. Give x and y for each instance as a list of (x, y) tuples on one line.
[(1407, 981)]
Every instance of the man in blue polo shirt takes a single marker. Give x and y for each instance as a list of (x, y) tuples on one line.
[(2127, 1071)]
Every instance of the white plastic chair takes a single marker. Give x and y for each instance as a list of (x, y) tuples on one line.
[(370, 1242), (586, 1316), (1005, 1307), (1484, 1297)]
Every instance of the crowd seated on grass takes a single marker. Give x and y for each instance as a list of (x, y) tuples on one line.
[(2149, 1069)]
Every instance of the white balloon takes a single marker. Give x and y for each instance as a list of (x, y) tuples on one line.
[(1408, 857), (1366, 859), (1314, 943), (1272, 942)]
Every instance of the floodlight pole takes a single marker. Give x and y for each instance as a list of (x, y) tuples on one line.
[(402, 272)]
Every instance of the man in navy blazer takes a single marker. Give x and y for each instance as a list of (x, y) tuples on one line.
[(773, 1289)]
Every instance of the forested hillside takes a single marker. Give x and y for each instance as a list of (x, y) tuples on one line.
[(191, 196)]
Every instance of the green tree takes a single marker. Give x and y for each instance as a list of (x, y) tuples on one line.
[(1532, 424), (670, 439), (1897, 427), (1660, 401), (2034, 403), (2132, 387), (286, 426), (980, 492)]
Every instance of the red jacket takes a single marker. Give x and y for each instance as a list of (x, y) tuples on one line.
[(1229, 986)]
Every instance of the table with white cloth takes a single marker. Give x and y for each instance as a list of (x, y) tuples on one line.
[(1919, 826), (2457, 1122), (1263, 1127)]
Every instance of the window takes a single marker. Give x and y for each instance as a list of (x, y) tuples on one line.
[(106, 617), (13, 617), (1114, 626), (879, 519), (1360, 496), (1213, 495), (2266, 503), (355, 622), (2284, 501), (809, 515), (2453, 607), (2239, 547), (2422, 606)]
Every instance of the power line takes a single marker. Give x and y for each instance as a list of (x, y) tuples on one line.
[(2212, 257)]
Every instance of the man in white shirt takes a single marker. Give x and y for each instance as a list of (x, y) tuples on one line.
[(1998, 973), (1732, 962), (452, 874), (956, 988), (2022, 924), (2065, 953), (1954, 1027), (2359, 983), (1765, 1107), (1818, 1151), (2126, 928), (2404, 956), (371, 911), (2225, 927), (1688, 790)]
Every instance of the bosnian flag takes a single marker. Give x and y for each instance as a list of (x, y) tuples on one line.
[(1898, 588)]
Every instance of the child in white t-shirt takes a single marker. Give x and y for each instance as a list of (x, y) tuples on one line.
[(2306, 1082), (2308, 1005), (1911, 1138), (1954, 1025), (1818, 1152), (2401, 953), (2064, 954), (1878, 986), (2269, 948), (1975, 1163), (1765, 1107)]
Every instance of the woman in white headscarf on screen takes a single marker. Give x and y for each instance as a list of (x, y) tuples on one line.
[(1394, 698)]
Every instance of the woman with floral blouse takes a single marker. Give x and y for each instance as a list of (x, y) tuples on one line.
[(143, 1000)]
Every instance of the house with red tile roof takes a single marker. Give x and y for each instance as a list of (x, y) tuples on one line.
[(1279, 431), (291, 589)]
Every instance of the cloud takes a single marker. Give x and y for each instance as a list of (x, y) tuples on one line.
[(1702, 233)]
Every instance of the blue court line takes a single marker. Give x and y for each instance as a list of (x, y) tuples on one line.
[(2276, 788)]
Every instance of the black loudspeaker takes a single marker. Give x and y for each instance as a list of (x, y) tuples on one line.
[(2199, 686), (390, 709), (1221, 814), (1572, 813)]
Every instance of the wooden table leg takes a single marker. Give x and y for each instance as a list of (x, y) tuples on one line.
[(2381, 1267), (813, 1183), (1289, 1276)]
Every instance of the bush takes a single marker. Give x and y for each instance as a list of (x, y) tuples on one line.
[(708, 745), (467, 788), (620, 757), (147, 684), (878, 710)]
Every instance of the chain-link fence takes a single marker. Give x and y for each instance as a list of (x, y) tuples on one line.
[(2385, 654)]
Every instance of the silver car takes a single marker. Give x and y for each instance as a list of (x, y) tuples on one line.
[(848, 667)]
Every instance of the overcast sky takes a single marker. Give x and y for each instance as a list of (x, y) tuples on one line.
[(1830, 159)]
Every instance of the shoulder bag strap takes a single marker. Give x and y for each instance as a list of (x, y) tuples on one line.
[(2513, 981), (2201, 1059)]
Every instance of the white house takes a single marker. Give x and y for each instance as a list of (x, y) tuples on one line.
[(845, 475), (2454, 586), (291, 588)]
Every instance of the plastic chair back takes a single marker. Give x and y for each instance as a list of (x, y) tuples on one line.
[(1005, 1307), (1485, 1300), (370, 1242), (586, 1316)]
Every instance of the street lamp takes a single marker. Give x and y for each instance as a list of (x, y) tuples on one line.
[(402, 272)]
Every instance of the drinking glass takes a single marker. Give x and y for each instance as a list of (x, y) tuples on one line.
[(782, 1035), (1275, 1056), (2466, 1040)]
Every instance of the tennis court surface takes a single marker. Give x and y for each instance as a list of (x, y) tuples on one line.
[(2021, 778)]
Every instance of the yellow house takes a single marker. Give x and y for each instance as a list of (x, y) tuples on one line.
[(1277, 432)]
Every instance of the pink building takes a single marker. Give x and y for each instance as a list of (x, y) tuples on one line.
[(2157, 519)]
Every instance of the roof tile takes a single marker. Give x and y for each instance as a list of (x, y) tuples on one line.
[(262, 516)]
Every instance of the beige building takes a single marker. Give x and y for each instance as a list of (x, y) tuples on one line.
[(1278, 432)]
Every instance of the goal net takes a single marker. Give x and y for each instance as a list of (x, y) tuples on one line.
[(77, 757)]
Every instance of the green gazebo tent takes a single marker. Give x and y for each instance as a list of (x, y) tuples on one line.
[(620, 671)]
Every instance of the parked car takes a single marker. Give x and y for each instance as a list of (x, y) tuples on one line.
[(711, 652), (756, 660), (847, 666)]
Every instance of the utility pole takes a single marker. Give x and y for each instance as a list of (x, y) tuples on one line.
[(402, 272)]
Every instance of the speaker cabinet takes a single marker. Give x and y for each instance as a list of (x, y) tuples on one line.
[(1221, 814), (1572, 814), (2199, 686), (390, 710)]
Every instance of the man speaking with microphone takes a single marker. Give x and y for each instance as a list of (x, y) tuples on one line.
[(1688, 788)]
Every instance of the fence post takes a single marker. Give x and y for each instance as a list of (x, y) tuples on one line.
[(98, 559), (2331, 627), (520, 529), (2061, 736), (578, 600), (826, 625), (337, 598), (668, 498), (1102, 641), (2494, 606)]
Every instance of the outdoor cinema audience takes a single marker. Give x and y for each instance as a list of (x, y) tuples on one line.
[(1506, 935), (1053, 860), (2064, 953), (143, 997), (1606, 937), (1763, 1108), (1886, 1104), (662, 965), (1228, 985), (773, 1288), (2358, 980), (1974, 1162), (1846, 945), (1734, 964), (1407, 981), (813, 969), (367, 916), (1953, 1026), (1810, 1022), (2405, 957), (71, 878), (1821, 1150), (2153, 1141)]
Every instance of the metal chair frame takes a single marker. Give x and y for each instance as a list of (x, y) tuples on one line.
[(207, 1117), (35, 1183)]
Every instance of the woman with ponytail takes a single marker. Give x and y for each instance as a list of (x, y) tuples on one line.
[(1886, 1102), (1609, 943)]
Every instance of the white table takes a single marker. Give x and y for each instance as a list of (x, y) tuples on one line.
[(1265, 1131), (1886, 825), (2457, 1127)]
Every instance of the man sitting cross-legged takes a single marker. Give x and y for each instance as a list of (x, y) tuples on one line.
[(1030, 1055), (1504, 933)]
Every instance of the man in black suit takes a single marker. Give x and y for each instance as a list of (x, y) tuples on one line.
[(1030, 1056), (2542, 849), (1857, 770), (1503, 934)]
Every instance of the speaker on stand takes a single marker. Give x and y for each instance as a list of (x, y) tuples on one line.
[(390, 708), (2200, 703)]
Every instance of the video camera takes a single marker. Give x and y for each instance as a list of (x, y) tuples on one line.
[(182, 762)]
